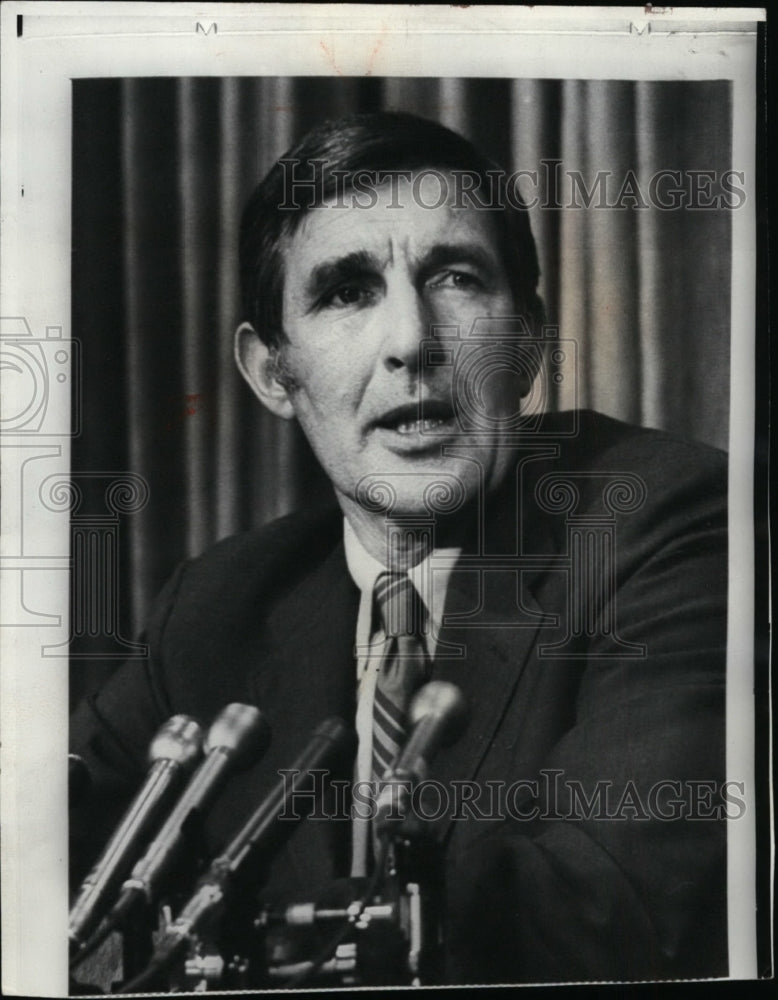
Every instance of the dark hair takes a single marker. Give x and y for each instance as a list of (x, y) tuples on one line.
[(378, 142)]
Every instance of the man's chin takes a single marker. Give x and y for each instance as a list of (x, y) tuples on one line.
[(408, 489)]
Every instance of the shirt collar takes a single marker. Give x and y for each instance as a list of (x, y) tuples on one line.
[(430, 577)]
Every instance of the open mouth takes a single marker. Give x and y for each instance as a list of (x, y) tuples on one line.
[(426, 417)]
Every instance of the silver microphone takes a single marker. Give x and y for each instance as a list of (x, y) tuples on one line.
[(172, 753), (237, 737)]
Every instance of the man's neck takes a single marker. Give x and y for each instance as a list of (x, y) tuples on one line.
[(398, 551), (394, 542)]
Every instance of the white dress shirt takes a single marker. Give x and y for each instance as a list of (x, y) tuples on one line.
[(430, 577)]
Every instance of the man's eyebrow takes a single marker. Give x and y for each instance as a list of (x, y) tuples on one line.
[(338, 269)]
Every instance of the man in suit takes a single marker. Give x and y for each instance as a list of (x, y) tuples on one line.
[(571, 571)]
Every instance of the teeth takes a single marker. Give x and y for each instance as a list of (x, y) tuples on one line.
[(416, 426)]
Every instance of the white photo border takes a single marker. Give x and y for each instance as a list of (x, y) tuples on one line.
[(55, 43)]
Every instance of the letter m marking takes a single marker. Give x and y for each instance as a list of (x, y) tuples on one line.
[(582, 807)]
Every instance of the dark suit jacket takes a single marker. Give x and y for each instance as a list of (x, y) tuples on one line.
[(579, 686)]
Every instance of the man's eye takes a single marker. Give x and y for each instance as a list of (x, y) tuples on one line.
[(346, 295), (465, 280)]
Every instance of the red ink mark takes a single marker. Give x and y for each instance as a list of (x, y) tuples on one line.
[(374, 53), (330, 57), (189, 404)]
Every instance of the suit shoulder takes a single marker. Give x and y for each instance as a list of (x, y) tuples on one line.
[(654, 482), (606, 444), (279, 547), (232, 578), (218, 604)]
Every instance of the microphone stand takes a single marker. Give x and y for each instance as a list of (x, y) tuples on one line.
[(391, 934), (398, 939), (137, 945), (350, 919)]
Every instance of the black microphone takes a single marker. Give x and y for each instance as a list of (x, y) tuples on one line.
[(172, 753), (331, 740), (237, 737), (438, 714)]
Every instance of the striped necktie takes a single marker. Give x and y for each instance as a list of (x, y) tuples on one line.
[(404, 665)]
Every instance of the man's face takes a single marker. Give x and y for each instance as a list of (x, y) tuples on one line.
[(363, 287)]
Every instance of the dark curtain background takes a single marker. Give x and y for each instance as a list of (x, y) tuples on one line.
[(161, 168)]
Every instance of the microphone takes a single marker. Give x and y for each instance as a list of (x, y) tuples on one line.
[(173, 751), (237, 737), (438, 714), (331, 739)]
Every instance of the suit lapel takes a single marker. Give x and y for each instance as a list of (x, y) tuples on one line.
[(487, 674), (308, 675), (499, 639), (307, 647)]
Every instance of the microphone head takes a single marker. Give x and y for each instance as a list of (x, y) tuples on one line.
[(438, 715), (339, 740), (446, 704), (336, 730), (241, 729), (180, 740)]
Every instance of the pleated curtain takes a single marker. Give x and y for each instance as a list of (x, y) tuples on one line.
[(161, 168)]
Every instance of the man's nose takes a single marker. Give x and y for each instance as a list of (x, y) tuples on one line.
[(406, 322)]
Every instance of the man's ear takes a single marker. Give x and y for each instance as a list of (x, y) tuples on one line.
[(534, 359), (258, 364), (527, 378)]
